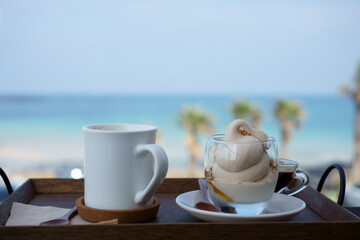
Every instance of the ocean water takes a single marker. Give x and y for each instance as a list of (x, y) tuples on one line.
[(44, 131)]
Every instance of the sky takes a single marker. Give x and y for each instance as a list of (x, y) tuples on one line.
[(187, 46)]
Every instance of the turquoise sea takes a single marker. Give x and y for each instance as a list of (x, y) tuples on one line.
[(40, 131)]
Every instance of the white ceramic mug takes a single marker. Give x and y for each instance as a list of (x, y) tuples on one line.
[(123, 166)]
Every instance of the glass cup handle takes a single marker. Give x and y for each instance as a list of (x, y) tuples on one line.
[(160, 170), (298, 176)]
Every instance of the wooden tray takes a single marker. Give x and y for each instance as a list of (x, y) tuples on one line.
[(322, 218)]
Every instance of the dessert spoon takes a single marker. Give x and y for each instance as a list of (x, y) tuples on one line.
[(63, 220), (204, 203)]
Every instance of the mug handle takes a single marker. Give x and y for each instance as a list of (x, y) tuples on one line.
[(295, 186), (160, 170)]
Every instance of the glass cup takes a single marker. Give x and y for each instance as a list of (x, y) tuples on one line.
[(291, 180), (241, 176)]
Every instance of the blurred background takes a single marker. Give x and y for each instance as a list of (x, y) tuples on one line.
[(291, 68)]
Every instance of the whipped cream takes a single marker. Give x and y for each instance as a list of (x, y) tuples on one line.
[(243, 171)]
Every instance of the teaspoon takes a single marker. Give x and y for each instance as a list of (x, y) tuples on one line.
[(64, 220), (204, 203)]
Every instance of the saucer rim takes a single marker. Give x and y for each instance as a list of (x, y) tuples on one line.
[(185, 206)]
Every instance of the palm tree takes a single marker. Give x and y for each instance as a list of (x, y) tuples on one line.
[(353, 91), (289, 115), (195, 121), (248, 111)]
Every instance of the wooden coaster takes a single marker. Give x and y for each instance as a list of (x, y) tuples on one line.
[(123, 216)]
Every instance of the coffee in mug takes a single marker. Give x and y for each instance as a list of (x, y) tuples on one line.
[(291, 180)]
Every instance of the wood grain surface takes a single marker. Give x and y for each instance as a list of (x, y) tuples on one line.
[(321, 219), (23, 195), (326, 208), (199, 231)]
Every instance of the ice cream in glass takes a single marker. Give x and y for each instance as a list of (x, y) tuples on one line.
[(241, 168)]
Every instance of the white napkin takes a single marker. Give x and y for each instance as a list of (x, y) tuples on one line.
[(30, 215)]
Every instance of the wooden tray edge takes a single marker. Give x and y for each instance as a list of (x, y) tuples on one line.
[(325, 207), (320, 230), (314, 200)]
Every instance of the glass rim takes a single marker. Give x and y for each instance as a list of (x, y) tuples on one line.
[(287, 162), (214, 139)]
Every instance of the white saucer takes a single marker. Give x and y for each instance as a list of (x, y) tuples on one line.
[(281, 207)]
